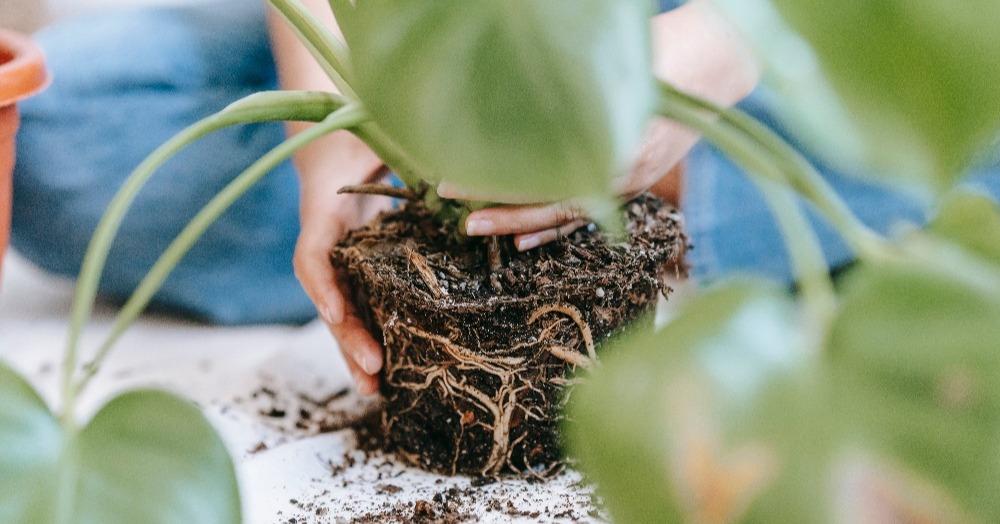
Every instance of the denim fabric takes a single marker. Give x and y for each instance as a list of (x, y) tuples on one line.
[(125, 82), (666, 5)]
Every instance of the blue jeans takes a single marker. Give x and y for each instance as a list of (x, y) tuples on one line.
[(126, 81)]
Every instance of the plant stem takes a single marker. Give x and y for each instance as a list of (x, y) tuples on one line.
[(807, 257), (403, 193), (260, 107), (334, 57), (394, 156), (330, 53), (797, 172), (345, 118)]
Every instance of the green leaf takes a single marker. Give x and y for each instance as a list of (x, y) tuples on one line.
[(693, 423), (798, 92), (31, 444), (913, 360), (147, 457), (920, 76), (972, 220), (725, 416), (527, 100)]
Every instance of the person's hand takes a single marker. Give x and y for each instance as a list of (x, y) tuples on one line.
[(326, 217), (324, 167), (693, 48)]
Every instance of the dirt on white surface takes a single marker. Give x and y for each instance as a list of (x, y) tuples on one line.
[(281, 398)]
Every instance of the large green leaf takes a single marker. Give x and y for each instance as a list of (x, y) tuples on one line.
[(31, 445), (698, 422), (519, 99), (914, 357), (972, 220), (919, 75), (724, 416), (145, 457)]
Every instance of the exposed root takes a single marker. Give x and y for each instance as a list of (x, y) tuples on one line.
[(426, 273), (493, 252), (576, 316), (483, 345), (512, 395), (403, 193)]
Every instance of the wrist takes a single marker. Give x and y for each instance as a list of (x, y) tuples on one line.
[(699, 51), (340, 159)]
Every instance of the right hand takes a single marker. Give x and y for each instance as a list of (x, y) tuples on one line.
[(324, 168)]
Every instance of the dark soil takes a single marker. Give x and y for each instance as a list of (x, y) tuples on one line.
[(483, 345)]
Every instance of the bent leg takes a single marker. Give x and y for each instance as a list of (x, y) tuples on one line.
[(125, 82)]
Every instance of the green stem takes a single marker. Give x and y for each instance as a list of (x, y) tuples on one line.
[(345, 118), (796, 171), (330, 53), (807, 257), (392, 154), (334, 57), (260, 107)]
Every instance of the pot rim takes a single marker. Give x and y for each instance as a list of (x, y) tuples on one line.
[(25, 73)]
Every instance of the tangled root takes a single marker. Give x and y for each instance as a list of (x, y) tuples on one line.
[(482, 350)]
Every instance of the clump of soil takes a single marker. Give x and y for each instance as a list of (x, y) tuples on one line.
[(482, 345)]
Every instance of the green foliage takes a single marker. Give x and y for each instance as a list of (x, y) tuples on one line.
[(973, 221), (915, 356), (145, 457), (529, 100), (919, 76), (699, 409), (724, 416), (800, 94)]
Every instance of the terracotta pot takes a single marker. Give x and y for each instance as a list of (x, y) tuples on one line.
[(22, 74)]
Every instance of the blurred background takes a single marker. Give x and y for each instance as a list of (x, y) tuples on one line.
[(30, 15)]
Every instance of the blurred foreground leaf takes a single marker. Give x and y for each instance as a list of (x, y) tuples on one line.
[(920, 75), (724, 416), (691, 424), (915, 356), (522, 99), (972, 220), (799, 93), (146, 457)]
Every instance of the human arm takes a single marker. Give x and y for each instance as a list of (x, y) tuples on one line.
[(695, 49), (324, 167)]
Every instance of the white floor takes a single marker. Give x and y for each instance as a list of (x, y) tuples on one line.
[(244, 377)]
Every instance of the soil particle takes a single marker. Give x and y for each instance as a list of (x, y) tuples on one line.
[(386, 491)]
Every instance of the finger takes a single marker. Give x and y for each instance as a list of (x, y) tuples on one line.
[(318, 278), (363, 382), (528, 241), (514, 220), (358, 346), (356, 340)]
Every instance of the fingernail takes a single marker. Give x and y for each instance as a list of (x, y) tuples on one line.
[(529, 242), (371, 364), (324, 313), (479, 227), (445, 189)]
